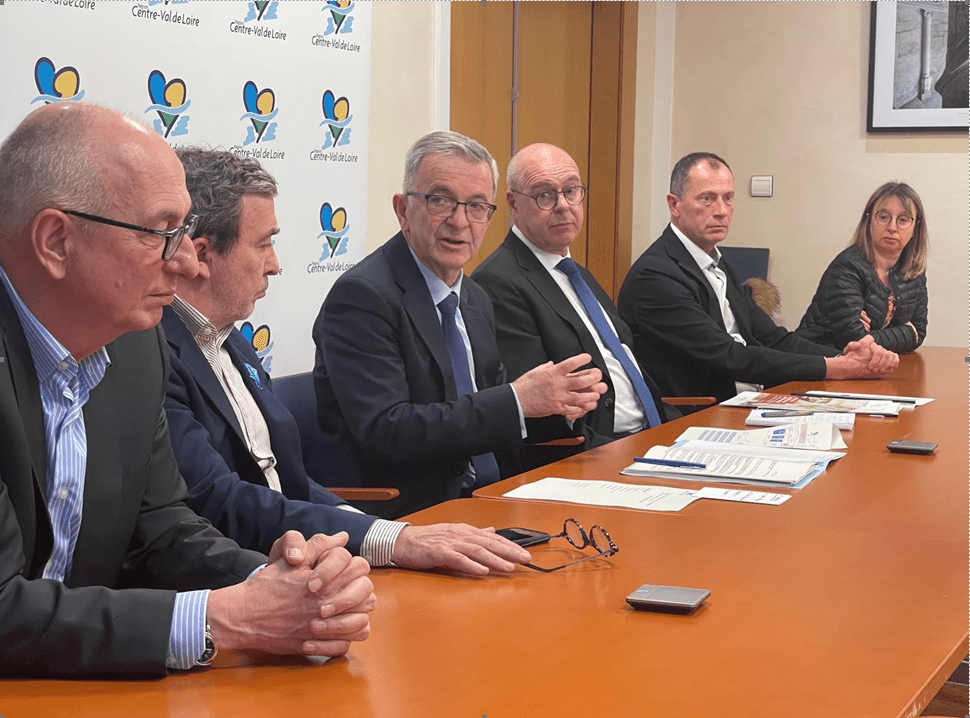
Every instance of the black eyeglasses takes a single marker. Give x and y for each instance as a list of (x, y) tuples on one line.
[(173, 237), (441, 206), (573, 532), (547, 199)]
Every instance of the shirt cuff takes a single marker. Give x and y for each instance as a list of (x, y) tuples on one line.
[(186, 638), (518, 407), (378, 544), (348, 507)]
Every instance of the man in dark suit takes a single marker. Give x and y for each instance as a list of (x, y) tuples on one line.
[(541, 316), (695, 328), (237, 446), (407, 369), (103, 569)]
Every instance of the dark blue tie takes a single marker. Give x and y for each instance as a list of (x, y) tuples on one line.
[(486, 468), (612, 342)]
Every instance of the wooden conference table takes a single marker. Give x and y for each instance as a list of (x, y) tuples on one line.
[(848, 600)]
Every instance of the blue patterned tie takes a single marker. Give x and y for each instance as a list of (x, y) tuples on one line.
[(612, 342), (486, 468)]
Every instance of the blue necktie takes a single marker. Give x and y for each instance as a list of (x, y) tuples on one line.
[(612, 342), (486, 468)]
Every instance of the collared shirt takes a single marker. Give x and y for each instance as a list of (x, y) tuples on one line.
[(628, 415), (378, 544), (717, 278), (439, 290), (65, 387), (251, 421)]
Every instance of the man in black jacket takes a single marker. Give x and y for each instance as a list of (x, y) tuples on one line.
[(103, 569), (696, 330), (548, 307)]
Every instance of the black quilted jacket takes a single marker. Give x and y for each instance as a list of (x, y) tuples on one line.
[(849, 285)]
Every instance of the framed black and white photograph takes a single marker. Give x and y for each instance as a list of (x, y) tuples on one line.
[(918, 77)]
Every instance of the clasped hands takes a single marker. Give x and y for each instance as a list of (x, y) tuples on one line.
[(869, 358), (312, 597)]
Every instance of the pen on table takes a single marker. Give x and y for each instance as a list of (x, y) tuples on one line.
[(771, 414), (898, 400), (669, 462)]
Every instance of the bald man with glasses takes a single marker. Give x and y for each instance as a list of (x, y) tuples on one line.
[(549, 307)]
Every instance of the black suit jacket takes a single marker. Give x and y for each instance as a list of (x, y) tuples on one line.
[(384, 382), (535, 323), (138, 542), (679, 335), (225, 483)]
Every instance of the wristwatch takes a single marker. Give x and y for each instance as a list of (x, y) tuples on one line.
[(211, 648)]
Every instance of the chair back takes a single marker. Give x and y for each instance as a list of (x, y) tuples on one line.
[(747, 262)]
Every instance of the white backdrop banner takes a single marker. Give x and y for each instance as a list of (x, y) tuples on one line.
[(284, 82)]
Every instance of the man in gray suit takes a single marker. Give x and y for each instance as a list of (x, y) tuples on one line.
[(103, 569)]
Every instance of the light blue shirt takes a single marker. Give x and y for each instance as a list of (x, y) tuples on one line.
[(439, 290), (65, 386)]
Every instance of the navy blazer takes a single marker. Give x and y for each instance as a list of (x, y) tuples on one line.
[(385, 386), (226, 485), (679, 334), (536, 323), (138, 542)]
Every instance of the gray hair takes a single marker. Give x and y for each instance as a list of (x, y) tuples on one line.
[(217, 180), (449, 144), (51, 160), (681, 174)]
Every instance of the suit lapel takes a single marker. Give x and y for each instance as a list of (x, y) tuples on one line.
[(184, 346), (737, 300), (547, 288), (417, 303), (18, 369), (679, 254)]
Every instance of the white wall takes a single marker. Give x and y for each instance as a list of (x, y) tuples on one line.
[(781, 88), (402, 102)]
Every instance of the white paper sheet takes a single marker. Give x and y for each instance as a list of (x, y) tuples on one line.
[(803, 435), (632, 496)]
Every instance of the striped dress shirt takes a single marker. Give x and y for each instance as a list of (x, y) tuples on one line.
[(65, 386)]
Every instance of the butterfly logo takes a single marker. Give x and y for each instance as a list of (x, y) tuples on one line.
[(62, 85), (169, 101), (260, 110), (336, 115), (335, 228), (340, 20)]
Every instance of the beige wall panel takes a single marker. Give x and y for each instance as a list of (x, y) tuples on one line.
[(481, 94), (401, 104), (780, 88), (554, 78)]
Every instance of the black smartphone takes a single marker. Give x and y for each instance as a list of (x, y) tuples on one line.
[(524, 537), (911, 447)]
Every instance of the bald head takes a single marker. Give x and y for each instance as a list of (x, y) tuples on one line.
[(65, 155), (89, 280), (543, 183)]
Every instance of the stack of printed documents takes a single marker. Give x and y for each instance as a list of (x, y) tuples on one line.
[(764, 400), (790, 455), (844, 420)]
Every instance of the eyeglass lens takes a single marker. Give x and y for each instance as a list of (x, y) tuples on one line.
[(444, 206), (572, 195), (903, 221)]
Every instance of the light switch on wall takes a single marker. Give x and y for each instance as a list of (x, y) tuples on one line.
[(761, 185)]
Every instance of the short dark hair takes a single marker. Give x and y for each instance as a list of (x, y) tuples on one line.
[(217, 181), (681, 172)]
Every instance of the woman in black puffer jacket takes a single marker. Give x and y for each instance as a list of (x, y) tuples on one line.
[(878, 285)]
